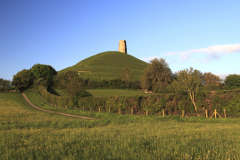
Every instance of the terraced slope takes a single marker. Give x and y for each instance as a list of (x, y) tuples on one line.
[(108, 65)]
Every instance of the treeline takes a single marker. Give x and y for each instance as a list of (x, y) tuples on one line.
[(157, 77), (38, 74), (117, 83), (5, 85), (172, 104), (46, 75)]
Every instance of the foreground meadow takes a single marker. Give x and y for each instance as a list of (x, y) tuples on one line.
[(26, 133)]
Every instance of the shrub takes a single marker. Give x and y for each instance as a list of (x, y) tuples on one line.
[(173, 104), (212, 87)]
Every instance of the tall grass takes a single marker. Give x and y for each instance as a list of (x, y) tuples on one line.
[(48, 136)]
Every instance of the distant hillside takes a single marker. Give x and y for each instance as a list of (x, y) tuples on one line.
[(108, 65)]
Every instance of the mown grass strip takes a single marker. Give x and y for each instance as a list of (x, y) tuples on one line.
[(115, 92)]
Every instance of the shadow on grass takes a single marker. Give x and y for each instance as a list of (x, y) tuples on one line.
[(52, 91)]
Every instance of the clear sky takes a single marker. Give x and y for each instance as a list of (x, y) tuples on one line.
[(202, 34)]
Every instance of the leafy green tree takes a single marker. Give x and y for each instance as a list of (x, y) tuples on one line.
[(190, 81), (70, 82), (23, 79), (57, 80), (211, 79), (232, 82), (212, 82), (157, 76), (44, 74), (115, 83), (126, 74), (212, 87), (74, 86), (5, 85), (104, 83)]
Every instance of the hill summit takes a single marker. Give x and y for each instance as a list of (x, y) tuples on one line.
[(108, 65)]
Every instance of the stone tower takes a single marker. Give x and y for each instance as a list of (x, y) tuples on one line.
[(122, 46)]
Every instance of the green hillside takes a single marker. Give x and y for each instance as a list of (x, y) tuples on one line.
[(108, 65)]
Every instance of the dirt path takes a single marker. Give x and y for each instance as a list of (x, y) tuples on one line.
[(65, 114)]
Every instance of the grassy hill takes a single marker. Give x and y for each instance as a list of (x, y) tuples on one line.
[(108, 65)]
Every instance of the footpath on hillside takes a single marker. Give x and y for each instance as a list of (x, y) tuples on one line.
[(65, 114)]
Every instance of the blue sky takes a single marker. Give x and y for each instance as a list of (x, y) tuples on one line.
[(202, 34)]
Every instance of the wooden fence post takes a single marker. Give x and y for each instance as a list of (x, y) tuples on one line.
[(225, 113), (99, 109), (146, 112), (131, 111), (109, 110), (90, 109), (206, 113), (183, 113), (83, 107), (215, 113), (119, 111), (163, 113)]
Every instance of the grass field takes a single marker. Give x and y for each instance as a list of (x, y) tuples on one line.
[(115, 92), (26, 133), (104, 92)]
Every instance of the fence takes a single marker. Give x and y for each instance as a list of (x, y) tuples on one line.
[(162, 113), (160, 105)]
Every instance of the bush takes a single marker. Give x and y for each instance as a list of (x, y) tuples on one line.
[(23, 80), (212, 87), (173, 104), (232, 82), (5, 85), (44, 72)]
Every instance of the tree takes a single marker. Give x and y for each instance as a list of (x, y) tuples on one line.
[(74, 86), (126, 74), (190, 81), (211, 79), (232, 82), (57, 80), (157, 76), (23, 79), (70, 82), (5, 85), (212, 82), (104, 83), (44, 74)]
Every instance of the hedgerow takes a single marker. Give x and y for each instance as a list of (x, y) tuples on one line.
[(172, 104)]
